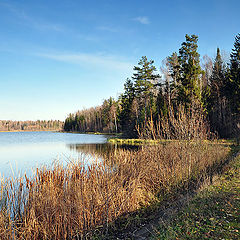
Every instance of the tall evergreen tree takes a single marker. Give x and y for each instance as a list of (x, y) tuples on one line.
[(234, 80), (127, 116), (217, 107), (189, 87), (217, 78), (162, 104), (145, 83), (174, 67)]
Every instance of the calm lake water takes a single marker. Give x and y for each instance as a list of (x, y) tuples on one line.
[(22, 152)]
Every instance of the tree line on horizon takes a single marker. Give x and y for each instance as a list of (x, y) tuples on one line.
[(39, 125), (212, 88)]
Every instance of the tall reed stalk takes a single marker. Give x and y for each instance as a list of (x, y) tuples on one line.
[(74, 201), (180, 122)]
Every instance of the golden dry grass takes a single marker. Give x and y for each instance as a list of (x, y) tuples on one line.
[(72, 202)]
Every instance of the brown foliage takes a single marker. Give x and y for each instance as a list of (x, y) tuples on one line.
[(73, 201), (182, 124)]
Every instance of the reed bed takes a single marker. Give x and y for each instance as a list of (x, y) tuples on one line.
[(74, 201)]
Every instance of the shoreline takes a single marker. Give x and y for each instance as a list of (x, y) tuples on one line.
[(32, 130), (93, 133)]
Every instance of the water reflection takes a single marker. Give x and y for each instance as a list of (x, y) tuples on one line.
[(23, 152), (100, 149)]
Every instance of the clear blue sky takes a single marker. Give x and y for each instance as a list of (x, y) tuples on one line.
[(58, 56)]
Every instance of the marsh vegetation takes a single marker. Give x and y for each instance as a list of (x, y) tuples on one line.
[(78, 200)]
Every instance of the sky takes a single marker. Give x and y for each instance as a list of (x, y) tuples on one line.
[(58, 57)]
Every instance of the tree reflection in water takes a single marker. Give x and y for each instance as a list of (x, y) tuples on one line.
[(100, 150)]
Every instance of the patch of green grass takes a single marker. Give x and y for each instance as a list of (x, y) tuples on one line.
[(213, 214), (137, 141), (130, 141)]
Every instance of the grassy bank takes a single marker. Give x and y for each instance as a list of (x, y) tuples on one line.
[(134, 141), (138, 141), (79, 201), (212, 214)]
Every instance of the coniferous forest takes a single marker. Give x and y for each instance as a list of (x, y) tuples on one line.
[(200, 93)]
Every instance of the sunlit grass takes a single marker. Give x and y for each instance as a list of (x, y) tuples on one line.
[(212, 214)]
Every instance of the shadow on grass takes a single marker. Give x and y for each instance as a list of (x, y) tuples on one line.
[(212, 214)]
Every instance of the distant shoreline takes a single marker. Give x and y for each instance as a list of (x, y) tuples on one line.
[(32, 130), (61, 131)]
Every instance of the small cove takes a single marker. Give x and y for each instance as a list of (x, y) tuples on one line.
[(22, 152)]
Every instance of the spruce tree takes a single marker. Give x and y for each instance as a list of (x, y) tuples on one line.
[(174, 68), (126, 115), (162, 104), (217, 106), (217, 78), (189, 81), (234, 79)]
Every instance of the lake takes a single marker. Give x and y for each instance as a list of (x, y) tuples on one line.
[(22, 152)]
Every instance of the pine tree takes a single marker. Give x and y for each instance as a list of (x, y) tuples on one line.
[(145, 85)]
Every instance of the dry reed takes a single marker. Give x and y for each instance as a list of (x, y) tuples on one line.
[(72, 202), (180, 123)]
